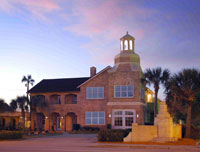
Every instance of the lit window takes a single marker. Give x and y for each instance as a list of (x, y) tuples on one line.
[(149, 98), (95, 93), (95, 118), (125, 45), (131, 44), (124, 91)]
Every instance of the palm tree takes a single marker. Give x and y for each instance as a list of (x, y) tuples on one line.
[(155, 77), (22, 104), (28, 80), (186, 84)]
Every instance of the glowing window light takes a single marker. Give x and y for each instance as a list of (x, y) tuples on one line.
[(125, 45), (131, 44)]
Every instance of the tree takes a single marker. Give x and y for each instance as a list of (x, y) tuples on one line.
[(155, 77), (181, 90), (22, 104), (28, 80), (3, 106), (13, 105)]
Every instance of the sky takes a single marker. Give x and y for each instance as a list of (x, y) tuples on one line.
[(64, 38)]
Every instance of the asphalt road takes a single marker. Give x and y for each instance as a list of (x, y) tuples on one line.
[(83, 143)]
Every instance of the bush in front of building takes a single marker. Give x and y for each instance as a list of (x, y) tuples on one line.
[(86, 128), (195, 132), (113, 135), (76, 127), (10, 135)]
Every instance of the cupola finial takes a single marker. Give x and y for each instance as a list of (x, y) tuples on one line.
[(126, 32)]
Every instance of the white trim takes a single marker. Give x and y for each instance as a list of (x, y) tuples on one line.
[(98, 92), (127, 91), (123, 116), (98, 118), (108, 67), (125, 103)]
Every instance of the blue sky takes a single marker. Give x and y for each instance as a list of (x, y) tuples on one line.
[(64, 38)]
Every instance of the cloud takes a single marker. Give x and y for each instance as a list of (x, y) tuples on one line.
[(104, 22), (36, 8)]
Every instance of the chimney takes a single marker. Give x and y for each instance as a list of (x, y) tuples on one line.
[(93, 71)]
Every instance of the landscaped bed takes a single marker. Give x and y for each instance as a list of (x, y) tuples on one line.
[(4, 135), (183, 141)]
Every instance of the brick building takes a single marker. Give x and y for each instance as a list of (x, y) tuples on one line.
[(112, 96)]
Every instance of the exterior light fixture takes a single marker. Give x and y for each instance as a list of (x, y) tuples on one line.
[(109, 115), (62, 117), (46, 117), (137, 115)]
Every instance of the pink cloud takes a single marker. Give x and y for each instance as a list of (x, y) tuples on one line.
[(37, 8), (107, 18), (106, 21)]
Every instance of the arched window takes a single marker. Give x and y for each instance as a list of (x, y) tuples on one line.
[(125, 45), (71, 99), (121, 45), (131, 44), (55, 99)]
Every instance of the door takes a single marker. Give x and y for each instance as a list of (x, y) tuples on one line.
[(14, 124), (68, 123), (58, 123), (123, 119)]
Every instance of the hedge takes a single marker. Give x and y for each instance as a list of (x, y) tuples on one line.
[(112, 134), (10, 135)]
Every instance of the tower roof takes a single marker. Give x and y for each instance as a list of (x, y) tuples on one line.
[(127, 36)]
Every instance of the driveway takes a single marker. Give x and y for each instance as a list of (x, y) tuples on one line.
[(83, 143)]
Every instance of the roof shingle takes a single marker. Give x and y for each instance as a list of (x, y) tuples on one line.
[(58, 85)]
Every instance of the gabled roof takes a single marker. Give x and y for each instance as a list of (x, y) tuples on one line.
[(58, 85), (106, 68)]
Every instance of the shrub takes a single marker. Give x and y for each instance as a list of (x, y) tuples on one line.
[(10, 134), (108, 126), (112, 134), (90, 128), (195, 132), (76, 127)]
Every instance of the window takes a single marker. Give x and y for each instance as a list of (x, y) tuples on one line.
[(95, 93), (125, 45), (123, 119), (121, 45), (58, 100), (124, 91), (131, 44), (118, 121), (95, 118), (142, 93), (55, 99)]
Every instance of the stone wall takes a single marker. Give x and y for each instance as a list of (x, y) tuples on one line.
[(142, 133), (163, 130)]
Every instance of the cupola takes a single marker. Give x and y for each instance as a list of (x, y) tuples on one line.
[(127, 43)]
